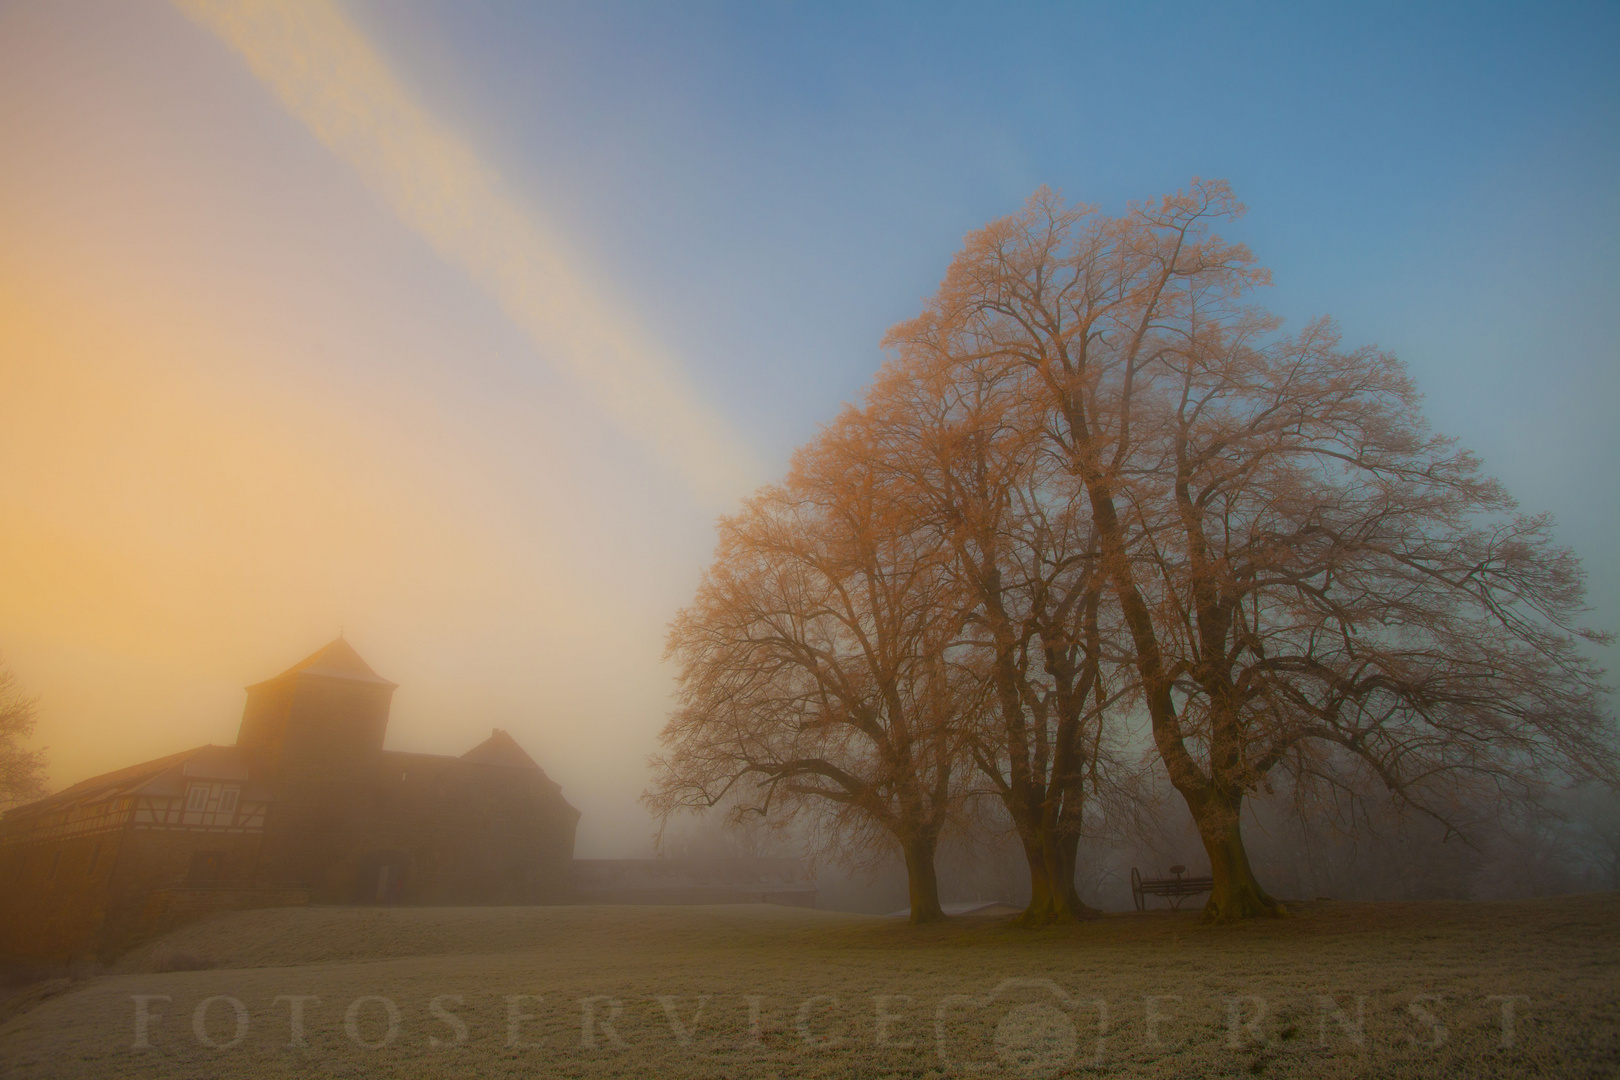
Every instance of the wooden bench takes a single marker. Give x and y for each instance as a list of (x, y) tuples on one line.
[(1174, 889)]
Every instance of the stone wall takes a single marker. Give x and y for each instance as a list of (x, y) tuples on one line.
[(158, 860), (463, 834), (165, 909), (55, 896)]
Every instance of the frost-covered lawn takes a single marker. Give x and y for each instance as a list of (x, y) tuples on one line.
[(1409, 989)]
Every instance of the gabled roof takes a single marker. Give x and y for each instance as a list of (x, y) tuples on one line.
[(164, 775), (335, 660), (219, 763), (500, 749), (125, 779)]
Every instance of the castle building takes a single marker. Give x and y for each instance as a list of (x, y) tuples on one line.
[(306, 807)]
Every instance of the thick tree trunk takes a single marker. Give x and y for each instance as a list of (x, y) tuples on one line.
[(1066, 843), (1052, 895), (1237, 893), (923, 881), (1068, 846), (1048, 899)]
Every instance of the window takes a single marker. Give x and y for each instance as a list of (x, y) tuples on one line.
[(56, 860), (95, 857), (227, 799), (197, 799)]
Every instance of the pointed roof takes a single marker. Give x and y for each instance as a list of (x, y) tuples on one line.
[(164, 775), (500, 749), (335, 660), (125, 779)]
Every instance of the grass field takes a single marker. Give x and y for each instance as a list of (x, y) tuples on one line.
[(1526, 988)]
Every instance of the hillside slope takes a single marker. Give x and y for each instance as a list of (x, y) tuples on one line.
[(1339, 990)]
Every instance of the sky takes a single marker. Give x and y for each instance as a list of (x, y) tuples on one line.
[(453, 327)]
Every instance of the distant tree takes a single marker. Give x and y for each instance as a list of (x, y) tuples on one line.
[(22, 772), (1593, 815), (815, 678), (723, 833), (1304, 575)]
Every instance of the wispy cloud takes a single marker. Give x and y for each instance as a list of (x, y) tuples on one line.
[(329, 76)]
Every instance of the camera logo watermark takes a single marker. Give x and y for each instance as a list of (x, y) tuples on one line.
[(1022, 1026)]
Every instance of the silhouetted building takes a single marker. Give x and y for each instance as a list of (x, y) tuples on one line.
[(306, 807)]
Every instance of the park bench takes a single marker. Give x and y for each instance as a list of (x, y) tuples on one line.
[(1175, 889)]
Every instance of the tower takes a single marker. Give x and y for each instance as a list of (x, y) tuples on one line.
[(326, 713), (317, 729)]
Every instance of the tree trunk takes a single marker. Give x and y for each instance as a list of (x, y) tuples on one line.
[(1048, 899), (1236, 893), (1052, 895), (923, 881), (1068, 847), (1065, 835)]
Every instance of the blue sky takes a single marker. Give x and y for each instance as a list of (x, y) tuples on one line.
[(775, 184), (239, 344), (784, 181)]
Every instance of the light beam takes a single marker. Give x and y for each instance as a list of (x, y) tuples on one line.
[(328, 75)]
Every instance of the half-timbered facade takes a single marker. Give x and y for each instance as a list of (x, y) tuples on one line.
[(306, 807)]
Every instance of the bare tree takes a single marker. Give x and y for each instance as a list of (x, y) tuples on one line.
[(22, 772), (969, 458), (1301, 570), (1593, 814), (815, 671)]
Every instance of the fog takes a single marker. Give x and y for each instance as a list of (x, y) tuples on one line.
[(258, 393), (246, 412)]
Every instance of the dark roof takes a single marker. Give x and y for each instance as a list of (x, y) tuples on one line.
[(211, 762), (128, 777), (219, 763), (335, 660), (500, 749)]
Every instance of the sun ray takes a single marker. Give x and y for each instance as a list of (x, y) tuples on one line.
[(330, 77)]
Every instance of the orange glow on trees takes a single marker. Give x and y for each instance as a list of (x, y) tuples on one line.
[(1095, 475), (22, 771), (1306, 577), (815, 673), (965, 447)]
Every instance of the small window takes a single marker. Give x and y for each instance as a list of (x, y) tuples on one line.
[(197, 799), (56, 860), (95, 857), (227, 799)]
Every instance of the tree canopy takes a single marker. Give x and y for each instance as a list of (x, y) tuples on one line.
[(22, 771), (1098, 482), (816, 669)]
